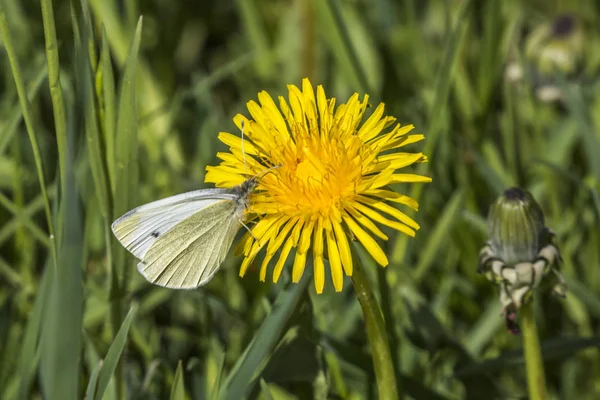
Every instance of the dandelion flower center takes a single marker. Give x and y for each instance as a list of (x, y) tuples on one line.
[(324, 181), (316, 176)]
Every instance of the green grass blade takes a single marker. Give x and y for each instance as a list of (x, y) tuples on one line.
[(95, 155), (178, 389), (88, 34), (585, 295), (105, 90), (114, 353), (241, 379), (92, 384), (56, 93), (336, 34), (217, 384), (440, 234), (444, 78), (28, 358), (489, 323), (29, 121), (63, 319), (126, 164), (257, 36), (8, 133), (264, 389), (126, 133)]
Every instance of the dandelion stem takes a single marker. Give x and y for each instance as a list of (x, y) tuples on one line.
[(536, 381), (376, 333)]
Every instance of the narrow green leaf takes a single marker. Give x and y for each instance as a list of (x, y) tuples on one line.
[(91, 388), (241, 380), (29, 356), (584, 294), (95, 155), (88, 34), (126, 136), (217, 385), (485, 328), (63, 315), (444, 77), (9, 131), (336, 33), (440, 234), (576, 104), (178, 389), (56, 93), (126, 163), (114, 353), (105, 83), (257, 36), (264, 389)]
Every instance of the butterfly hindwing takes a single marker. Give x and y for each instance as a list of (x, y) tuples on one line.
[(188, 256)]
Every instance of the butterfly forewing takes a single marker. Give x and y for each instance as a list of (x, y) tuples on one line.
[(138, 229)]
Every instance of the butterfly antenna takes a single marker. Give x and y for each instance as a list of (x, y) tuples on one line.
[(243, 152), (270, 169)]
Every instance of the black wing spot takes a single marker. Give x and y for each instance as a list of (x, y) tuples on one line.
[(155, 234)]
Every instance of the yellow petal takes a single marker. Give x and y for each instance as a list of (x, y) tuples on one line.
[(400, 160), (386, 208), (375, 216), (295, 98), (280, 237), (393, 196), (344, 247), (319, 271), (285, 252), (319, 266), (402, 141), (263, 267), (273, 114), (304, 242), (335, 264), (298, 268), (325, 116), (375, 182), (400, 178), (366, 222), (318, 239), (367, 241), (310, 105), (235, 142), (372, 122)]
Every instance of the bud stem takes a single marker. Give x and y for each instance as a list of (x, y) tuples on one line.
[(376, 333), (536, 380)]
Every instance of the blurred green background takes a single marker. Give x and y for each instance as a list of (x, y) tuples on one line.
[(506, 93)]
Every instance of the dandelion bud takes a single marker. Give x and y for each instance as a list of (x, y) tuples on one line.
[(521, 252), (516, 226)]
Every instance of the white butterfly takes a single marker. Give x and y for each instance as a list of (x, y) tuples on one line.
[(182, 240)]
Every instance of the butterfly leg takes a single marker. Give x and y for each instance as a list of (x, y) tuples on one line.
[(248, 229)]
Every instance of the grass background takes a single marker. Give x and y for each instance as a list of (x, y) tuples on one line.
[(101, 111)]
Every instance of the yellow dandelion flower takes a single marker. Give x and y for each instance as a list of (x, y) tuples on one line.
[(331, 183)]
